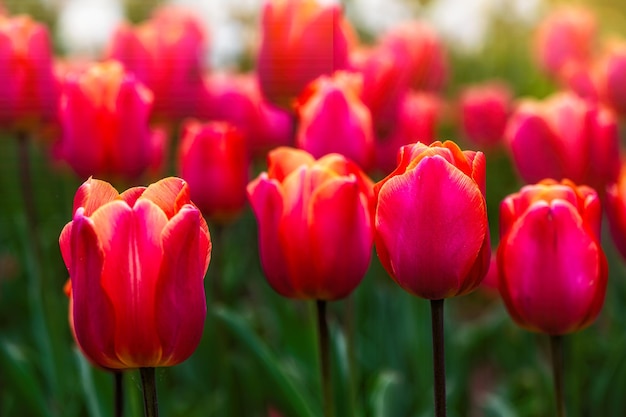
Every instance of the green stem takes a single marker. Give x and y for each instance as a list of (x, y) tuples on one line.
[(151, 408), (556, 351), (439, 365), (118, 393), (324, 350)]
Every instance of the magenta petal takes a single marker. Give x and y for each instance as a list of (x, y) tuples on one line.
[(180, 295), (432, 223)]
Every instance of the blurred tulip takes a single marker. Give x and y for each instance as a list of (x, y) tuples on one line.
[(29, 90), (166, 54), (553, 272), (616, 210), (432, 234), (237, 99), (484, 112), (581, 79), (301, 40), (332, 118), (418, 118), (566, 35), (213, 159), (612, 77), (104, 119), (564, 137), (315, 224), (136, 262)]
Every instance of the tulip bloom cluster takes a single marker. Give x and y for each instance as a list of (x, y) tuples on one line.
[(552, 270), (315, 224), (136, 262)]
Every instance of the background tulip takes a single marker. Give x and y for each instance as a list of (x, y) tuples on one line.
[(136, 262), (616, 211), (552, 269), (104, 119), (213, 159), (443, 251), (315, 225), (612, 77)]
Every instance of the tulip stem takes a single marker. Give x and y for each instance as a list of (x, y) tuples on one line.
[(118, 387), (556, 351), (151, 408), (324, 349), (439, 365)]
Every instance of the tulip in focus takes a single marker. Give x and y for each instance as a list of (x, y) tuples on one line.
[(315, 224), (301, 40), (104, 115), (564, 137), (484, 112), (213, 160), (29, 90), (552, 270), (332, 118), (136, 262), (166, 54), (432, 234)]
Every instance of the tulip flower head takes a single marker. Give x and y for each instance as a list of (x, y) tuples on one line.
[(136, 262), (616, 210), (432, 234), (552, 270), (612, 77), (315, 224)]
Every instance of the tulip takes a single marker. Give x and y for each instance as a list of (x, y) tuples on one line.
[(443, 251), (29, 91), (332, 118), (213, 160), (553, 272), (484, 112), (104, 116), (564, 137), (566, 35), (136, 263), (301, 40), (315, 224), (165, 53), (612, 77), (616, 211)]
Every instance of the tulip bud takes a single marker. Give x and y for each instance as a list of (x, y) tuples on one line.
[(136, 262), (432, 234), (315, 224), (552, 270)]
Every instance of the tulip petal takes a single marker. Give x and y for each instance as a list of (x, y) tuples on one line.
[(92, 194), (170, 194), (283, 161), (431, 223), (180, 295)]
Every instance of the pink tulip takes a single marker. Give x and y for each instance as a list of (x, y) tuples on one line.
[(616, 210), (484, 112), (552, 270), (612, 77), (432, 234)]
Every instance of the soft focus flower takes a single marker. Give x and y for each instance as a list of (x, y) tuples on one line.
[(104, 114), (332, 118), (432, 234), (213, 159), (564, 137), (616, 210), (166, 54), (552, 270), (237, 99), (29, 90), (301, 40), (315, 224), (612, 77), (566, 35), (418, 119), (136, 262), (484, 112)]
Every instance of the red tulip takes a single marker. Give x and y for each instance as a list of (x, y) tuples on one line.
[(136, 262), (29, 91), (566, 35), (301, 40), (315, 224), (553, 272), (332, 118), (484, 112), (432, 234), (213, 159), (165, 53), (612, 77), (104, 117), (564, 137)]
